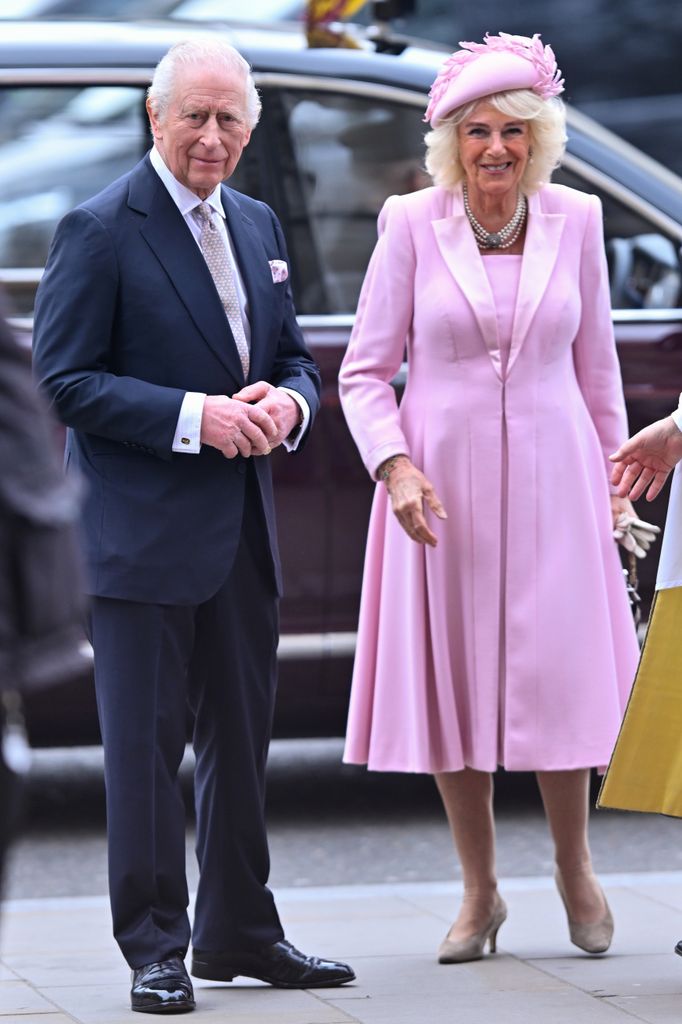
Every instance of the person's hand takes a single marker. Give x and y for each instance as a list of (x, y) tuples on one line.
[(645, 461), (631, 533), (408, 489), (236, 428), (283, 410)]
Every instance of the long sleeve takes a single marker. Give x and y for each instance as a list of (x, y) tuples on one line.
[(594, 349), (377, 345), (73, 358)]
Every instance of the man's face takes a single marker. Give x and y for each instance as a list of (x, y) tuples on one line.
[(203, 131)]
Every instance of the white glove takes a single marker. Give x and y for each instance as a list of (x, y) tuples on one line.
[(634, 534)]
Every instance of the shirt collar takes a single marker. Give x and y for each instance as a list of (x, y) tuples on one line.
[(183, 197)]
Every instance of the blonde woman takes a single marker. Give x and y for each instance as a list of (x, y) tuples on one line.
[(494, 627)]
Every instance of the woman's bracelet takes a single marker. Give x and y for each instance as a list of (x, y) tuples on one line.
[(388, 466)]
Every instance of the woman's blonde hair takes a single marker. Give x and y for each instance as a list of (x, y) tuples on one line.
[(547, 128)]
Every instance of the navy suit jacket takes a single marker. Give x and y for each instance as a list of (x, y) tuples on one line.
[(127, 320)]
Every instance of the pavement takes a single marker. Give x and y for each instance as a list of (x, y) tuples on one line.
[(59, 963)]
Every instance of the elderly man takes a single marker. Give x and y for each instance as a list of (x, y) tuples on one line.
[(165, 336)]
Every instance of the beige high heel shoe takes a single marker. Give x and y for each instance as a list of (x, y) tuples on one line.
[(594, 937), (473, 947)]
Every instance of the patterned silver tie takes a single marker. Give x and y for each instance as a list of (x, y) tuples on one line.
[(220, 266)]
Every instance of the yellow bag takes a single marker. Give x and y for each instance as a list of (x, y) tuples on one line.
[(645, 772)]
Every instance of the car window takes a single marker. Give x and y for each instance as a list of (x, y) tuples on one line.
[(255, 10), (644, 263), (58, 146), (347, 154), (325, 160)]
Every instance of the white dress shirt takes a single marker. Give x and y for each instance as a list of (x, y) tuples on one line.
[(187, 437)]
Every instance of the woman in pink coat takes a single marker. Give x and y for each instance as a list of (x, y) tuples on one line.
[(494, 626)]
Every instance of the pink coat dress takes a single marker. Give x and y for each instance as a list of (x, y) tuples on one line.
[(511, 643)]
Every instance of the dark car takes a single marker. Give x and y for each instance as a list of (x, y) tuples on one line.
[(341, 130)]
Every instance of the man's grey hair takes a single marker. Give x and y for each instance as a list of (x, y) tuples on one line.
[(202, 51)]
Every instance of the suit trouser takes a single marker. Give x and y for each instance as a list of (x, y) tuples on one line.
[(150, 660)]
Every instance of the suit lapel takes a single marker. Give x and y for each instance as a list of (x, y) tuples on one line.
[(540, 252), (458, 248), (171, 241), (461, 254)]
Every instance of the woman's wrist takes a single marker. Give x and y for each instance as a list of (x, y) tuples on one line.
[(388, 465)]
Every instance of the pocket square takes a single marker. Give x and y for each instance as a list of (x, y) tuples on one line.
[(280, 271)]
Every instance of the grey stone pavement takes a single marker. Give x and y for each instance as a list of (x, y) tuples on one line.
[(59, 964)]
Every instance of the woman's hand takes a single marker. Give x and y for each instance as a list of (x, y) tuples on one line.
[(645, 461), (632, 533), (408, 489), (621, 506)]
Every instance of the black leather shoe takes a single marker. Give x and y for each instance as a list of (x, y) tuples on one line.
[(678, 948), (163, 987), (281, 965)]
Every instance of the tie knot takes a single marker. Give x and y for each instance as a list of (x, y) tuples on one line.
[(205, 214)]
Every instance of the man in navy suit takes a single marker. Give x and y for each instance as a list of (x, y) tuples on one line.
[(143, 353)]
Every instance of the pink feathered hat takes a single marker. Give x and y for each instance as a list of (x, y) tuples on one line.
[(498, 64)]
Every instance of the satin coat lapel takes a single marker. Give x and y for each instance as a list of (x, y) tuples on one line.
[(540, 252), (256, 274), (171, 241), (458, 248)]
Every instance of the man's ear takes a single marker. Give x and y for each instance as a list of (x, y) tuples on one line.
[(153, 120)]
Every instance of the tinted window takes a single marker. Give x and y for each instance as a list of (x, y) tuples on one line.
[(58, 146), (347, 154), (644, 263), (326, 161)]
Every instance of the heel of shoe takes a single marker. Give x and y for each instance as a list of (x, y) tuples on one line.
[(473, 947), (211, 969), (594, 937)]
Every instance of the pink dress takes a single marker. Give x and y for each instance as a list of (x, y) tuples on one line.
[(512, 641)]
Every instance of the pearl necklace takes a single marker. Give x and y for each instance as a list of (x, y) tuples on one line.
[(506, 236)]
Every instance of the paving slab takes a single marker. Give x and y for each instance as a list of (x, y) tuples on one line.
[(59, 963), (651, 1009)]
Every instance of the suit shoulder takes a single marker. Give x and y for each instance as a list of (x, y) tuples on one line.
[(425, 202), (113, 194), (415, 209), (249, 206), (556, 198)]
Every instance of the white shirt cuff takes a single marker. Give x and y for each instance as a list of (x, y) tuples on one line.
[(188, 430), (292, 442), (677, 415)]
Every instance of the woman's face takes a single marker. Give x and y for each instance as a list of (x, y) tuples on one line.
[(494, 150)]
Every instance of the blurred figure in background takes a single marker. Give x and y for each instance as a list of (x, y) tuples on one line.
[(41, 598)]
